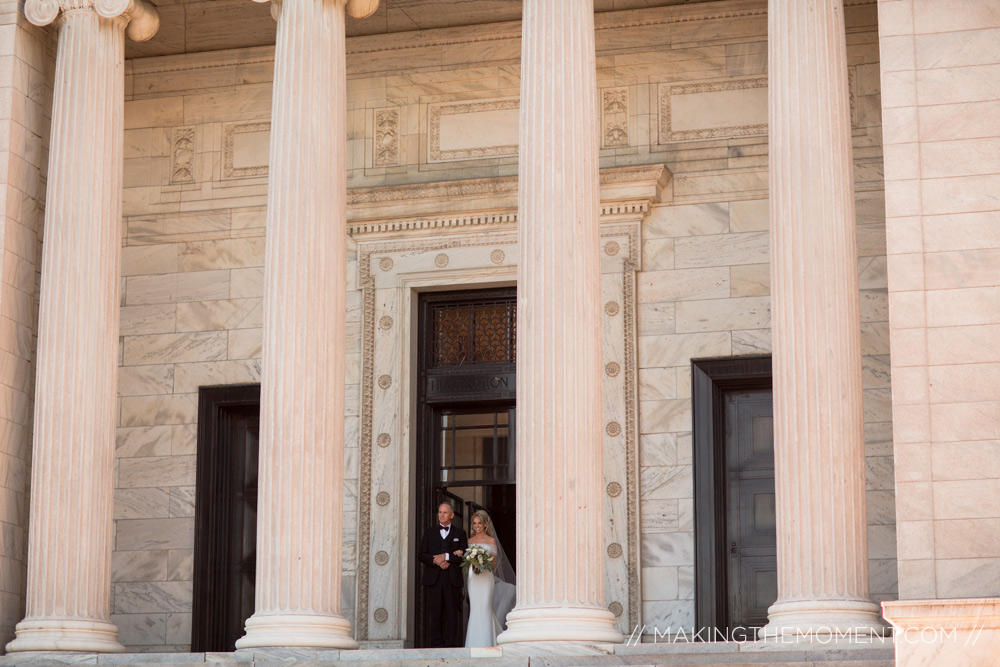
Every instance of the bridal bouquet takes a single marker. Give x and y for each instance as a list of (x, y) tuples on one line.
[(478, 558)]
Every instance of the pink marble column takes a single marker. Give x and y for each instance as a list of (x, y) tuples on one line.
[(69, 534), (818, 437), (560, 591), (300, 508)]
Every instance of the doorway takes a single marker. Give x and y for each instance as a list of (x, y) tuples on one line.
[(466, 414), (225, 542), (735, 538)]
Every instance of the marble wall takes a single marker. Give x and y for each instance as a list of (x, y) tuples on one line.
[(683, 86), (25, 100), (941, 106)]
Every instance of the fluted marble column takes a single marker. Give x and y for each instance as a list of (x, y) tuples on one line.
[(300, 512), (819, 443), (560, 587), (69, 535)]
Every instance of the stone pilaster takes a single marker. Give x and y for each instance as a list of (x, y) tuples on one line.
[(300, 507), (560, 592), (819, 443), (69, 535)]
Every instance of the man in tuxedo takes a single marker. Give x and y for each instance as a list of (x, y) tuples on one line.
[(442, 578)]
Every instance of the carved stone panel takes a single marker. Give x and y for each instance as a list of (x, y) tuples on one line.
[(182, 153), (468, 130), (385, 147), (711, 109), (245, 149), (614, 117)]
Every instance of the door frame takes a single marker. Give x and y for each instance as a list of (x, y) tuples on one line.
[(392, 272), (710, 380)]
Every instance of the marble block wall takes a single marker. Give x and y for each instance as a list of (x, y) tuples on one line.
[(683, 86), (941, 108), (26, 63)]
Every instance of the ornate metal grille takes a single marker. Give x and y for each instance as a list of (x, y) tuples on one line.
[(475, 333)]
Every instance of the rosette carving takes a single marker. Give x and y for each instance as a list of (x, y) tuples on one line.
[(143, 19)]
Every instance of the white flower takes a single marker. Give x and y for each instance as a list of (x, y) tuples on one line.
[(478, 558)]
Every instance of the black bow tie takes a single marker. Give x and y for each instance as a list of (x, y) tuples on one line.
[(445, 527)]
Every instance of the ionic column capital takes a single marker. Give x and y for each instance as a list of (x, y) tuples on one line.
[(143, 19), (359, 9)]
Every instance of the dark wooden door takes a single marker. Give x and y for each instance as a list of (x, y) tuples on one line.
[(225, 549), (750, 520)]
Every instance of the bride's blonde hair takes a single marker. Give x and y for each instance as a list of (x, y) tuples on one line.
[(487, 522)]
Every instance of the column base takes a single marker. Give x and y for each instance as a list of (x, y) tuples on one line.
[(822, 617), (297, 630), (590, 625), (65, 634)]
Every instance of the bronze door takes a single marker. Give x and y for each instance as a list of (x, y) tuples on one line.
[(752, 560)]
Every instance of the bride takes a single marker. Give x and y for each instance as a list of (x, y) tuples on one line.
[(491, 594)]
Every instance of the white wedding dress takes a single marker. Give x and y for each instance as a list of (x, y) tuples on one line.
[(483, 625)]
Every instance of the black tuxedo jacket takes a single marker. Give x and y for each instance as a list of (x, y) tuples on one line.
[(431, 545)]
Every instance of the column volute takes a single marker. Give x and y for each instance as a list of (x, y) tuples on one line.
[(142, 17)]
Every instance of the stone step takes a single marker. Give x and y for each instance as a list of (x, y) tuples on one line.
[(686, 654)]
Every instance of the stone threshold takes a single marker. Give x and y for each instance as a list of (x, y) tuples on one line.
[(874, 651)]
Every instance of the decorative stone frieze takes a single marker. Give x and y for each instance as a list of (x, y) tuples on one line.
[(69, 537), (818, 439)]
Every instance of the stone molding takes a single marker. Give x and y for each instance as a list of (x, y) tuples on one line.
[(142, 17), (624, 191), (958, 613)]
